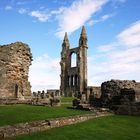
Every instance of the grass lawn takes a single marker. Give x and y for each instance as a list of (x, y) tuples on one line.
[(67, 99), (105, 128), (12, 114)]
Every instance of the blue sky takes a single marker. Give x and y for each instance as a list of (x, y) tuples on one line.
[(113, 30)]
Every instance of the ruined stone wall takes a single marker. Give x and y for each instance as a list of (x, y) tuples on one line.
[(120, 91), (122, 96), (15, 60), (113, 87), (43, 125)]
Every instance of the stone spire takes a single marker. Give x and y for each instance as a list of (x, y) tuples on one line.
[(66, 37), (83, 38), (83, 33), (65, 45), (66, 40)]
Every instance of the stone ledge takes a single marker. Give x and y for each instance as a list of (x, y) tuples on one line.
[(29, 127), (14, 101)]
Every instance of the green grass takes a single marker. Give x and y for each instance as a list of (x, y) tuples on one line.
[(12, 114), (67, 99), (105, 128)]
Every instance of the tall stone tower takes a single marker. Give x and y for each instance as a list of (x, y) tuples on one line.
[(74, 78)]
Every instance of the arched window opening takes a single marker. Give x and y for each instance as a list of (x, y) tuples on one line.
[(73, 81), (69, 81), (76, 80), (73, 60)]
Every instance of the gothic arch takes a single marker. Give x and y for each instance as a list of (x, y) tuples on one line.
[(73, 58)]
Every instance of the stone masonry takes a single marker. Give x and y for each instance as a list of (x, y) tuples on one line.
[(117, 87), (44, 125), (122, 96), (74, 78), (15, 60)]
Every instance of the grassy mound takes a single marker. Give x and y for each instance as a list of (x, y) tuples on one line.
[(12, 114)]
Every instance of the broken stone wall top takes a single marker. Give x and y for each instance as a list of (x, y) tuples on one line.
[(114, 87), (15, 59), (117, 85)]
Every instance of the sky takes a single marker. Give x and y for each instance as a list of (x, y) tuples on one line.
[(113, 31)]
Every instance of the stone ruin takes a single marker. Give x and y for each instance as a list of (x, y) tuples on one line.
[(74, 77), (74, 80), (120, 90), (15, 59), (121, 96), (51, 97)]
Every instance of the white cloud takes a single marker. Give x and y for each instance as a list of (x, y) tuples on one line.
[(44, 73), (8, 7), (117, 60), (77, 14), (114, 68), (127, 55), (131, 35), (41, 16), (103, 18), (59, 11), (23, 11), (106, 48)]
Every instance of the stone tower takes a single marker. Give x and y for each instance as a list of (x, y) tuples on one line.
[(15, 60), (74, 78)]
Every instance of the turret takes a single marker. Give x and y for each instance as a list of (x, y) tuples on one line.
[(65, 46), (65, 43), (83, 38)]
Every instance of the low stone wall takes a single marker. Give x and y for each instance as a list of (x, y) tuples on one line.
[(27, 128), (13, 101)]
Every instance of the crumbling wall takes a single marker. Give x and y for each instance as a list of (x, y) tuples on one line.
[(123, 96), (15, 59), (114, 88)]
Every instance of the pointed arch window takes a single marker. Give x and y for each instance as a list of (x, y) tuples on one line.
[(73, 59)]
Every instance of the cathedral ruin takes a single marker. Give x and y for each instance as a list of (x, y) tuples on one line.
[(74, 78), (122, 96), (15, 59)]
